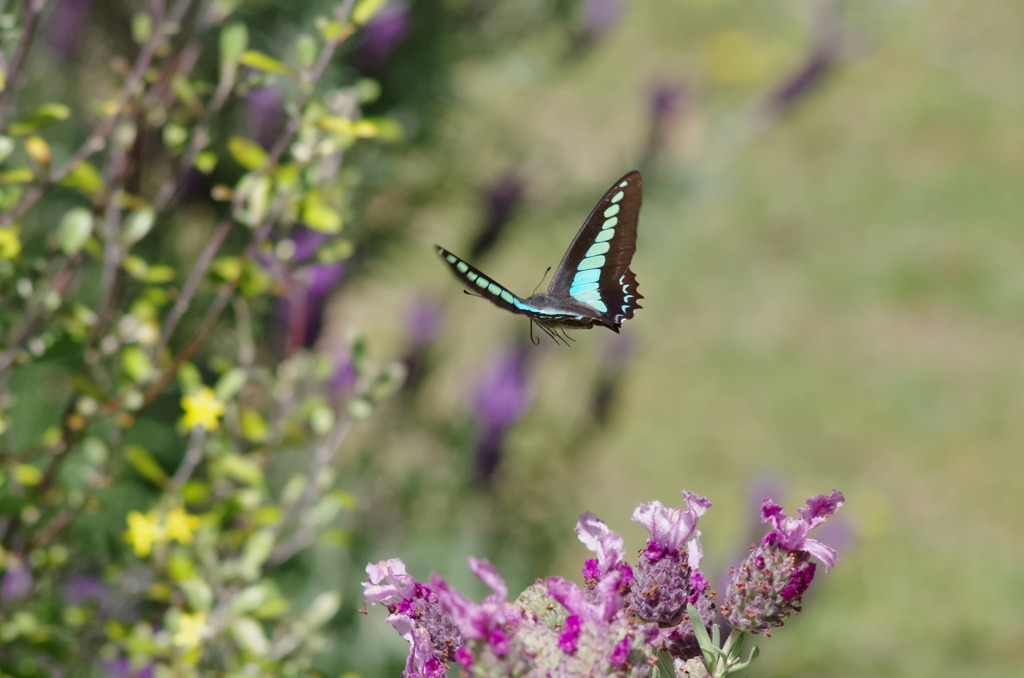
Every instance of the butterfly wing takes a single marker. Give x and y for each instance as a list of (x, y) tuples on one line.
[(595, 269), (483, 285)]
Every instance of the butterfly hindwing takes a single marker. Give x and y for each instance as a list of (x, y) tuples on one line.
[(595, 269)]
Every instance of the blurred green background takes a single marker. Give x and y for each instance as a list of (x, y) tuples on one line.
[(834, 299)]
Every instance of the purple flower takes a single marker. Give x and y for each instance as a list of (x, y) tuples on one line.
[(668, 106), (501, 397), (417, 615), (381, 36), (670, 528), (264, 108), (306, 289), (666, 578), (791, 533), (65, 26), (598, 17), (819, 64), (478, 621), (501, 202), (769, 585), (608, 546), (423, 324), (121, 667), (17, 580)]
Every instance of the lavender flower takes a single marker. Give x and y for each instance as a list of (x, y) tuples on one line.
[(598, 17), (501, 202), (306, 289), (17, 580), (417, 615), (616, 623), (64, 27), (768, 586), (668, 105), (264, 109), (667, 577), (819, 64), (501, 398), (424, 322), (382, 36)]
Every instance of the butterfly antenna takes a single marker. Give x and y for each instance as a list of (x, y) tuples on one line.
[(546, 271)]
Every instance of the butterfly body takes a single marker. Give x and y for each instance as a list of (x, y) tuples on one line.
[(593, 285)]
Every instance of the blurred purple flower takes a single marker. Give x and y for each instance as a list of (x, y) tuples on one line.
[(819, 63), (669, 104), (501, 397), (597, 18), (306, 289), (83, 588), (63, 27), (121, 667), (264, 109), (17, 580), (381, 36), (501, 201), (424, 322)]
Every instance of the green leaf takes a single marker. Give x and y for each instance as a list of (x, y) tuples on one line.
[(83, 177), (45, 115), (75, 228), (243, 469), (136, 363), (137, 225), (27, 475), (197, 593), (305, 49), (247, 153), (233, 40), (322, 609), (320, 216), (229, 384), (257, 549), (264, 62), (365, 10), (142, 27), (144, 464), (206, 161), (254, 427), (249, 599), (249, 635), (21, 175), (6, 147), (158, 275)]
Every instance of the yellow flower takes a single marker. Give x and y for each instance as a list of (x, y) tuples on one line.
[(144, 529), (181, 525), (190, 630), (202, 409), (10, 243)]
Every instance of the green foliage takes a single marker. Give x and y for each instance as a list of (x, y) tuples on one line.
[(165, 464)]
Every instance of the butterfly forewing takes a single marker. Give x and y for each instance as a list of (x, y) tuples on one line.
[(483, 285), (595, 268)]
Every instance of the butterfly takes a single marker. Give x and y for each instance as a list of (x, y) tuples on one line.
[(593, 284)]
